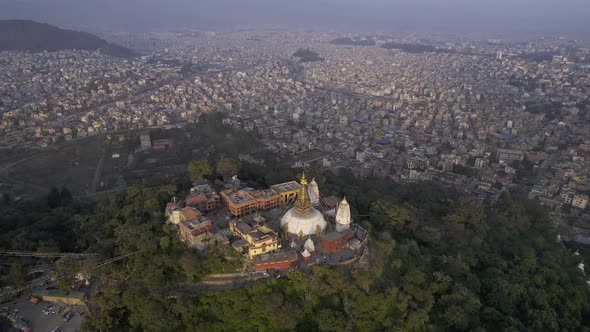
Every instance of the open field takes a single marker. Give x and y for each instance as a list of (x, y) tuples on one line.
[(71, 165), (111, 162)]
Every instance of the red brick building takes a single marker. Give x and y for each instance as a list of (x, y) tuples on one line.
[(240, 202), (334, 241), (276, 261)]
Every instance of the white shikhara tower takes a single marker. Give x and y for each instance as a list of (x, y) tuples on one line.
[(343, 218), (314, 192)]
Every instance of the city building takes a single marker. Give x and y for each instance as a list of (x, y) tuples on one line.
[(195, 233), (580, 201), (238, 202), (260, 239), (336, 240), (203, 198), (241, 202), (276, 261), (146, 141), (309, 157), (287, 190), (509, 155)]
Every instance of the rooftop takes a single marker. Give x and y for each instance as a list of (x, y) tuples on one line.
[(333, 236), (311, 155), (190, 213), (198, 225), (263, 193), (243, 227), (238, 197), (239, 243), (287, 256), (286, 187), (199, 231), (332, 201)]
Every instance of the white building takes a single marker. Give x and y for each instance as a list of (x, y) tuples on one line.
[(313, 192), (343, 217)]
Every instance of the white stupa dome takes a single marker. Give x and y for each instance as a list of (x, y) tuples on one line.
[(305, 253), (303, 219), (305, 224)]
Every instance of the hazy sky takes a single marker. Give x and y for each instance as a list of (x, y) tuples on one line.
[(567, 17)]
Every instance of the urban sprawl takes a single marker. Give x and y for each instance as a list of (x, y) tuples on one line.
[(484, 116)]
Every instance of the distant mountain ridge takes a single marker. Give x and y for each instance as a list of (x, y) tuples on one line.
[(25, 35)]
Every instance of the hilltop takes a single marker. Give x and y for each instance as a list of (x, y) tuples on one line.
[(25, 35)]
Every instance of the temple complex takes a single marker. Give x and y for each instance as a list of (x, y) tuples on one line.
[(288, 225)]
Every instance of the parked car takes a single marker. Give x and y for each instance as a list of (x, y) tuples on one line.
[(68, 316), (50, 310)]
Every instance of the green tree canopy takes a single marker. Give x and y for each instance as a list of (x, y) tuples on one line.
[(199, 168), (387, 215), (436, 261), (228, 166)]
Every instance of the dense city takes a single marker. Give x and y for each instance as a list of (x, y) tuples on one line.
[(484, 118)]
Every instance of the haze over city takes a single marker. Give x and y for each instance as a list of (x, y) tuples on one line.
[(482, 17), (272, 165)]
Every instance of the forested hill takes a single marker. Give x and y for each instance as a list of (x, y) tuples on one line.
[(25, 35), (437, 262)]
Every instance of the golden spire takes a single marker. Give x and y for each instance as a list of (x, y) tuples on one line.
[(303, 204)]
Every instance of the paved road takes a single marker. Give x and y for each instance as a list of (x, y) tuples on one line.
[(221, 284)]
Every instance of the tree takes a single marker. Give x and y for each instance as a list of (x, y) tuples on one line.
[(65, 196), (17, 274), (48, 246), (464, 170), (65, 273), (385, 214), (437, 262), (331, 320), (54, 198), (90, 267), (199, 168), (152, 207), (165, 242), (428, 235), (228, 166)]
